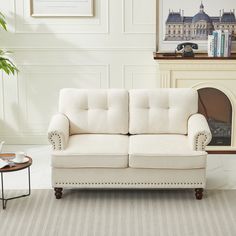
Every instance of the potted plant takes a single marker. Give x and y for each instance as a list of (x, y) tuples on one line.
[(5, 63)]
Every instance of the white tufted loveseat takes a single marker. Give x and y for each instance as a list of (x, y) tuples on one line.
[(128, 139)]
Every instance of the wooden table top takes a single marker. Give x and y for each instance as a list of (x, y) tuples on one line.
[(18, 166)]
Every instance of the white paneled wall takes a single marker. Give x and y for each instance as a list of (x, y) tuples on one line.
[(113, 49)]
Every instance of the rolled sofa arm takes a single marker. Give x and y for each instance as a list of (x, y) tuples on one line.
[(199, 134), (58, 131)]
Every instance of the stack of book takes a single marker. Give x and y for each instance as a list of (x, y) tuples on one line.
[(219, 44)]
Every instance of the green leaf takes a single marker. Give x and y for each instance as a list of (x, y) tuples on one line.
[(4, 67), (8, 66), (3, 24)]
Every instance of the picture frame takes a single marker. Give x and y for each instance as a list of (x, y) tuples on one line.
[(193, 14), (61, 8)]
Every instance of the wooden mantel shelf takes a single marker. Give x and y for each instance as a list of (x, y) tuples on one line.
[(198, 56)]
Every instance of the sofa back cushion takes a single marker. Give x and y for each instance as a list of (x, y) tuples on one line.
[(95, 111), (161, 110)]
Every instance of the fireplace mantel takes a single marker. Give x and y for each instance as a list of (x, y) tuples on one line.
[(202, 73), (198, 56)]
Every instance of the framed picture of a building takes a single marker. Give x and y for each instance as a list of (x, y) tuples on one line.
[(184, 20)]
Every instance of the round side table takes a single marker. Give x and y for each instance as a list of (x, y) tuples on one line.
[(16, 167)]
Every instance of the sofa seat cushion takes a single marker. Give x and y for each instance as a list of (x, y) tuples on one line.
[(93, 150), (164, 152)]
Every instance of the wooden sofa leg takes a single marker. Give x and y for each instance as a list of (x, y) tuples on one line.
[(199, 193), (58, 193)]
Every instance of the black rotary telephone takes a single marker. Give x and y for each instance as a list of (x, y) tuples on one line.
[(187, 49)]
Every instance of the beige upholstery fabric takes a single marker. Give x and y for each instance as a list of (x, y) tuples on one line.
[(161, 110), (164, 152), (95, 111), (128, 178), (58, 131), (93, 150), (198, 132)]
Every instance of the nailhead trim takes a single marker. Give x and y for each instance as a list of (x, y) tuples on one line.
[(55, 139), (117, 183), (201, 145)]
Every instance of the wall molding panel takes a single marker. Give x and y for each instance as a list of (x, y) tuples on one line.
[(139, 16), (32, 85), (135, 75)]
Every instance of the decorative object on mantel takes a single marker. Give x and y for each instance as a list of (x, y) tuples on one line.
[(62, 8), (187, 49), (220, 43), (5, 63), (193, 22)]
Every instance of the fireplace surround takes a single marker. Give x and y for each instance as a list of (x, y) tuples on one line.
[(215, 81)]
